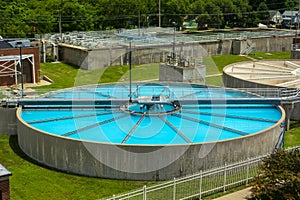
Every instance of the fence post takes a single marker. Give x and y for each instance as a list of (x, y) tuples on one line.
[(145, 192), (200, 185), (247, 178), (224, 183), (174, 189)]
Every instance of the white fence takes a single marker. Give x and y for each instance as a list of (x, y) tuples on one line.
[(198, 185), (201, 184)]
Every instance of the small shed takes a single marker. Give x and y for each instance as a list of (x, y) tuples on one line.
[(17, 59)]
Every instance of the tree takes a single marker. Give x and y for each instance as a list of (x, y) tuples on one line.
[(41, 19), (173, 8), (291, 5), (13, 20), (22, 18), (245, 16), (216, 15), (203, 21), (263, 11), (281, 176), (227, 9)]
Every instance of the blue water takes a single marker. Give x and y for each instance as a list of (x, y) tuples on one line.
[(192, 123), (122, 91), (197, 123)]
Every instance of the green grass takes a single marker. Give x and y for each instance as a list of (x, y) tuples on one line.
[(214, 81), (224, 60), (66, 76), (30, 180), (271, 55), (138, 72), (63, 75), (215, 65), (292, 136)]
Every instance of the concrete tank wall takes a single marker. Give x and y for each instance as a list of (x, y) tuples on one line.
[(273, 43), (75, 156), (8, 121), (103, 57), (295, 54), (72, 55), (234, 82), (217, 47), (189, 74)]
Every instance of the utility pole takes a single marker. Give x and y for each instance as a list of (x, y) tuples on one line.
[(298, 18), (139, 19), (159, 14), (59, 23), (174, 39)]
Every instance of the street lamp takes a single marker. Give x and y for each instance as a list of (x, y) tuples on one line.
[(20, 45)]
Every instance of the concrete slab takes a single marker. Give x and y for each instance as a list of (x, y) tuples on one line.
[(238, 195)]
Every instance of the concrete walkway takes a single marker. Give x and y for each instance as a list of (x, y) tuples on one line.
[(238, 195)]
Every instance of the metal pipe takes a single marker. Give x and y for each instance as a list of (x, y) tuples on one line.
[(130, 89), (20, 44)]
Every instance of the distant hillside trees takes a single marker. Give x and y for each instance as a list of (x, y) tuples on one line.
[(22, 18)]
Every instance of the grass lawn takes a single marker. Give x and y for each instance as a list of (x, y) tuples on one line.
[(292, 136), (271, 55), (65, 76), (30, 180), (33, 181), (224, 60)]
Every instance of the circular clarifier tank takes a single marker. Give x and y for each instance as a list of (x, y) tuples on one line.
[(158, 132), (274, 73), (283, 74)]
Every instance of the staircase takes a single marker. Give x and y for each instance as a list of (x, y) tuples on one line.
[(249, 47)]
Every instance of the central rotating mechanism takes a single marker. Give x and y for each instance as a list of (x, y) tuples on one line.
[(153, 105)]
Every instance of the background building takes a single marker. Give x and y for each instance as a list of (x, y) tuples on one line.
[(11, 54)]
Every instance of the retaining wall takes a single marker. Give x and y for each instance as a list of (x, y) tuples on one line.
[(8, 121)]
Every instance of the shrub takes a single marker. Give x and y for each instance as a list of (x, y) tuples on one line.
[(281, 176)]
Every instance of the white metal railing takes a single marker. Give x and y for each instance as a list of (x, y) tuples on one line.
[(198, 185), (201, 184), (172, 92), (91, 39)]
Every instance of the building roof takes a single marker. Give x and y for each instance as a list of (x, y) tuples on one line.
[(4, 171), (290, 13), (5, 45), (273, 13), (12, 43)]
